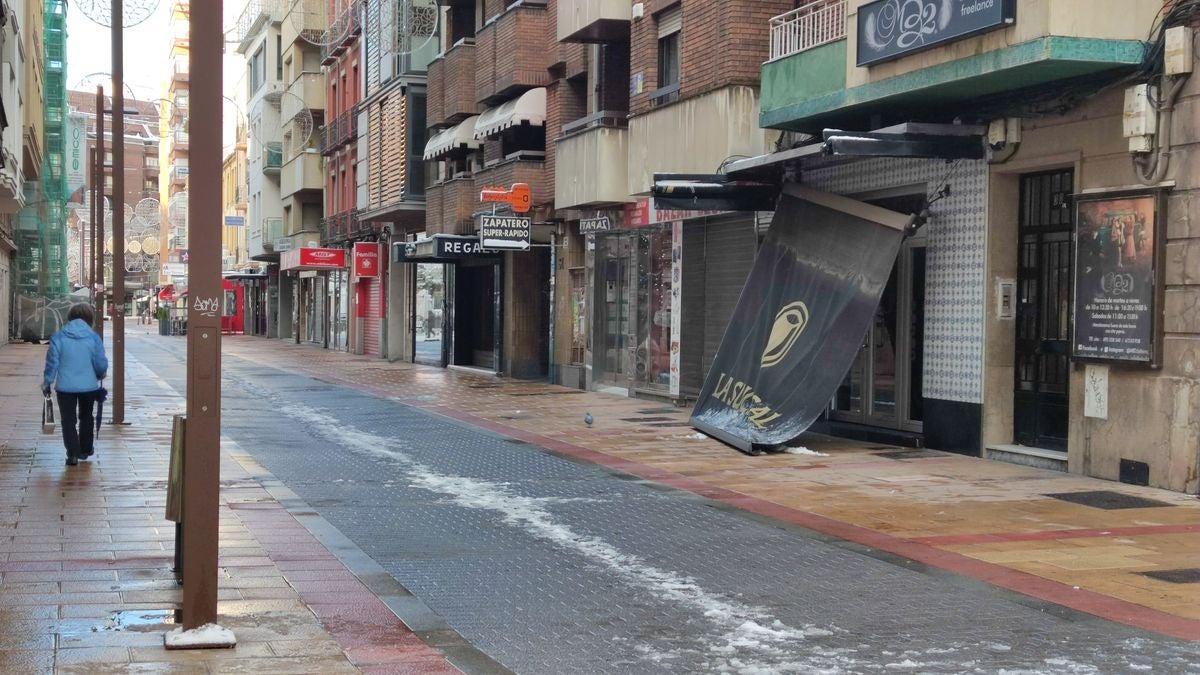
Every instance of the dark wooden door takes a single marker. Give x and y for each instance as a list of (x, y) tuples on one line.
[(1044, 310)]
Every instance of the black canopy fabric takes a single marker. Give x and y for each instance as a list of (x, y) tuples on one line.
[(806, 305)]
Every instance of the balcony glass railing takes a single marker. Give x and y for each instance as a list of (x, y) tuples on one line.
[(273, 156), (813, 24)]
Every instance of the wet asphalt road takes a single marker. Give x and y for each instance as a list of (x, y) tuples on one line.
[(552, 566)]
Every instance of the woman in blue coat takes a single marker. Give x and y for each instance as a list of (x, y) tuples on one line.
[(75, 364)]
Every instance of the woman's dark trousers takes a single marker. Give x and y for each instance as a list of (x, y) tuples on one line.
[(77, 408)]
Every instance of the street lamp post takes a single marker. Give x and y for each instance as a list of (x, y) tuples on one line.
[(118, 234), (99, 176), (202, 435)]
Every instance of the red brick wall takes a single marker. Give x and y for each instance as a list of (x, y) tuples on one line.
[(724, 42), (511, 54)]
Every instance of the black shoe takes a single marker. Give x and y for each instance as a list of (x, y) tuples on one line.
[(71, 461)]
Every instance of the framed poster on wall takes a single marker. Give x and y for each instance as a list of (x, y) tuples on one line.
[(1118, 288)]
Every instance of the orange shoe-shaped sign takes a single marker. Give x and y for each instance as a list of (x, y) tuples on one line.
[(519, 196)]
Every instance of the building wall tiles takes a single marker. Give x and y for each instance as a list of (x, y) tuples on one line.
[(955, 286)]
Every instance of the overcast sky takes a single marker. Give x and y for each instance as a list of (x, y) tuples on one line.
[(147, 45)]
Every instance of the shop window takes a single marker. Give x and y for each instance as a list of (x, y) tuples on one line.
[(578, 315)]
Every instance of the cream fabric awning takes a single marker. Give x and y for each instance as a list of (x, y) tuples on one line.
[(528, 108), (461, 136)]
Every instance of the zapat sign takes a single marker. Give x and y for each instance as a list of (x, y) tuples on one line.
[(890, 29), (505, 233), (798, 325)]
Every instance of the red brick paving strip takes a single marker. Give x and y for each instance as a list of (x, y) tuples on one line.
[(371, 636)]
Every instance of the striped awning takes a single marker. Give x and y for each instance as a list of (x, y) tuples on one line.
[(528, 108), (454, 138)]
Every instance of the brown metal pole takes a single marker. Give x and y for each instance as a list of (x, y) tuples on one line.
[(118, 206), (100, 174), (202, 439), (91, 275)]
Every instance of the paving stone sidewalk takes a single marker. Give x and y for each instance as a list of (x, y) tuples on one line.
[(1121, 552), (85, 557)]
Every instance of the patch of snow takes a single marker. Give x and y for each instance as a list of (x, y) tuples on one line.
[(801, 450), (208, 635), (746, 637)]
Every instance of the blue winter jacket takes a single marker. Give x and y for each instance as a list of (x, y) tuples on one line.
[(76, 359)]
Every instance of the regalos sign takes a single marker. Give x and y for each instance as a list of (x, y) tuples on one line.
[(890, 29)]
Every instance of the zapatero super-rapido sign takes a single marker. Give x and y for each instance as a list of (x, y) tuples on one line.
[(505, 233)]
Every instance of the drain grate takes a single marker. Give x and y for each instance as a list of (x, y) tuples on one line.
[(670, 424), (544, 393), (647, 419), (1107, 499), (1184, 576), (915, 453), (658, 411)]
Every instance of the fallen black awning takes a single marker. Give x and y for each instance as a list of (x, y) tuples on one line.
[(799, 323), (711, 192)]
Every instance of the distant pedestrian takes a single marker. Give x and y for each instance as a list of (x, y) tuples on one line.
[(75, 364)]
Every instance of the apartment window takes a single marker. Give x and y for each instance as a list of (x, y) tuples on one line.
[(151, 162), (278, 57), (108, 182), (670, 25), (258, 70), (150, 185)]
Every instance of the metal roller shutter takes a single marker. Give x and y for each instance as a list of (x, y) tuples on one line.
[(371, 322), (730, 245), (717, 255)]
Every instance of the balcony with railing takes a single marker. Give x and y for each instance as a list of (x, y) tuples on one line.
[(272, 234), (301, 173), (807, 27), (272, 160), (177, 175), (507, 62), (825, 69), (179, 69), (592, 158), (593, 20), (450, 92), (340, 227), (341, 131)]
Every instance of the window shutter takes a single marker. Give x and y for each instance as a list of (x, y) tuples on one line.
[(670, 22)]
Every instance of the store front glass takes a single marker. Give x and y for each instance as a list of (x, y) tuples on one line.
[(429, 313), (339, 307), (884, 385), (633, 309)]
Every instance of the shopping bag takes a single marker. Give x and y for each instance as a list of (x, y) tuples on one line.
[(48, 416)]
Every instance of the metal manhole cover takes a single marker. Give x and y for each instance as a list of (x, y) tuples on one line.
[(1184, 576), (1107, 499)]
